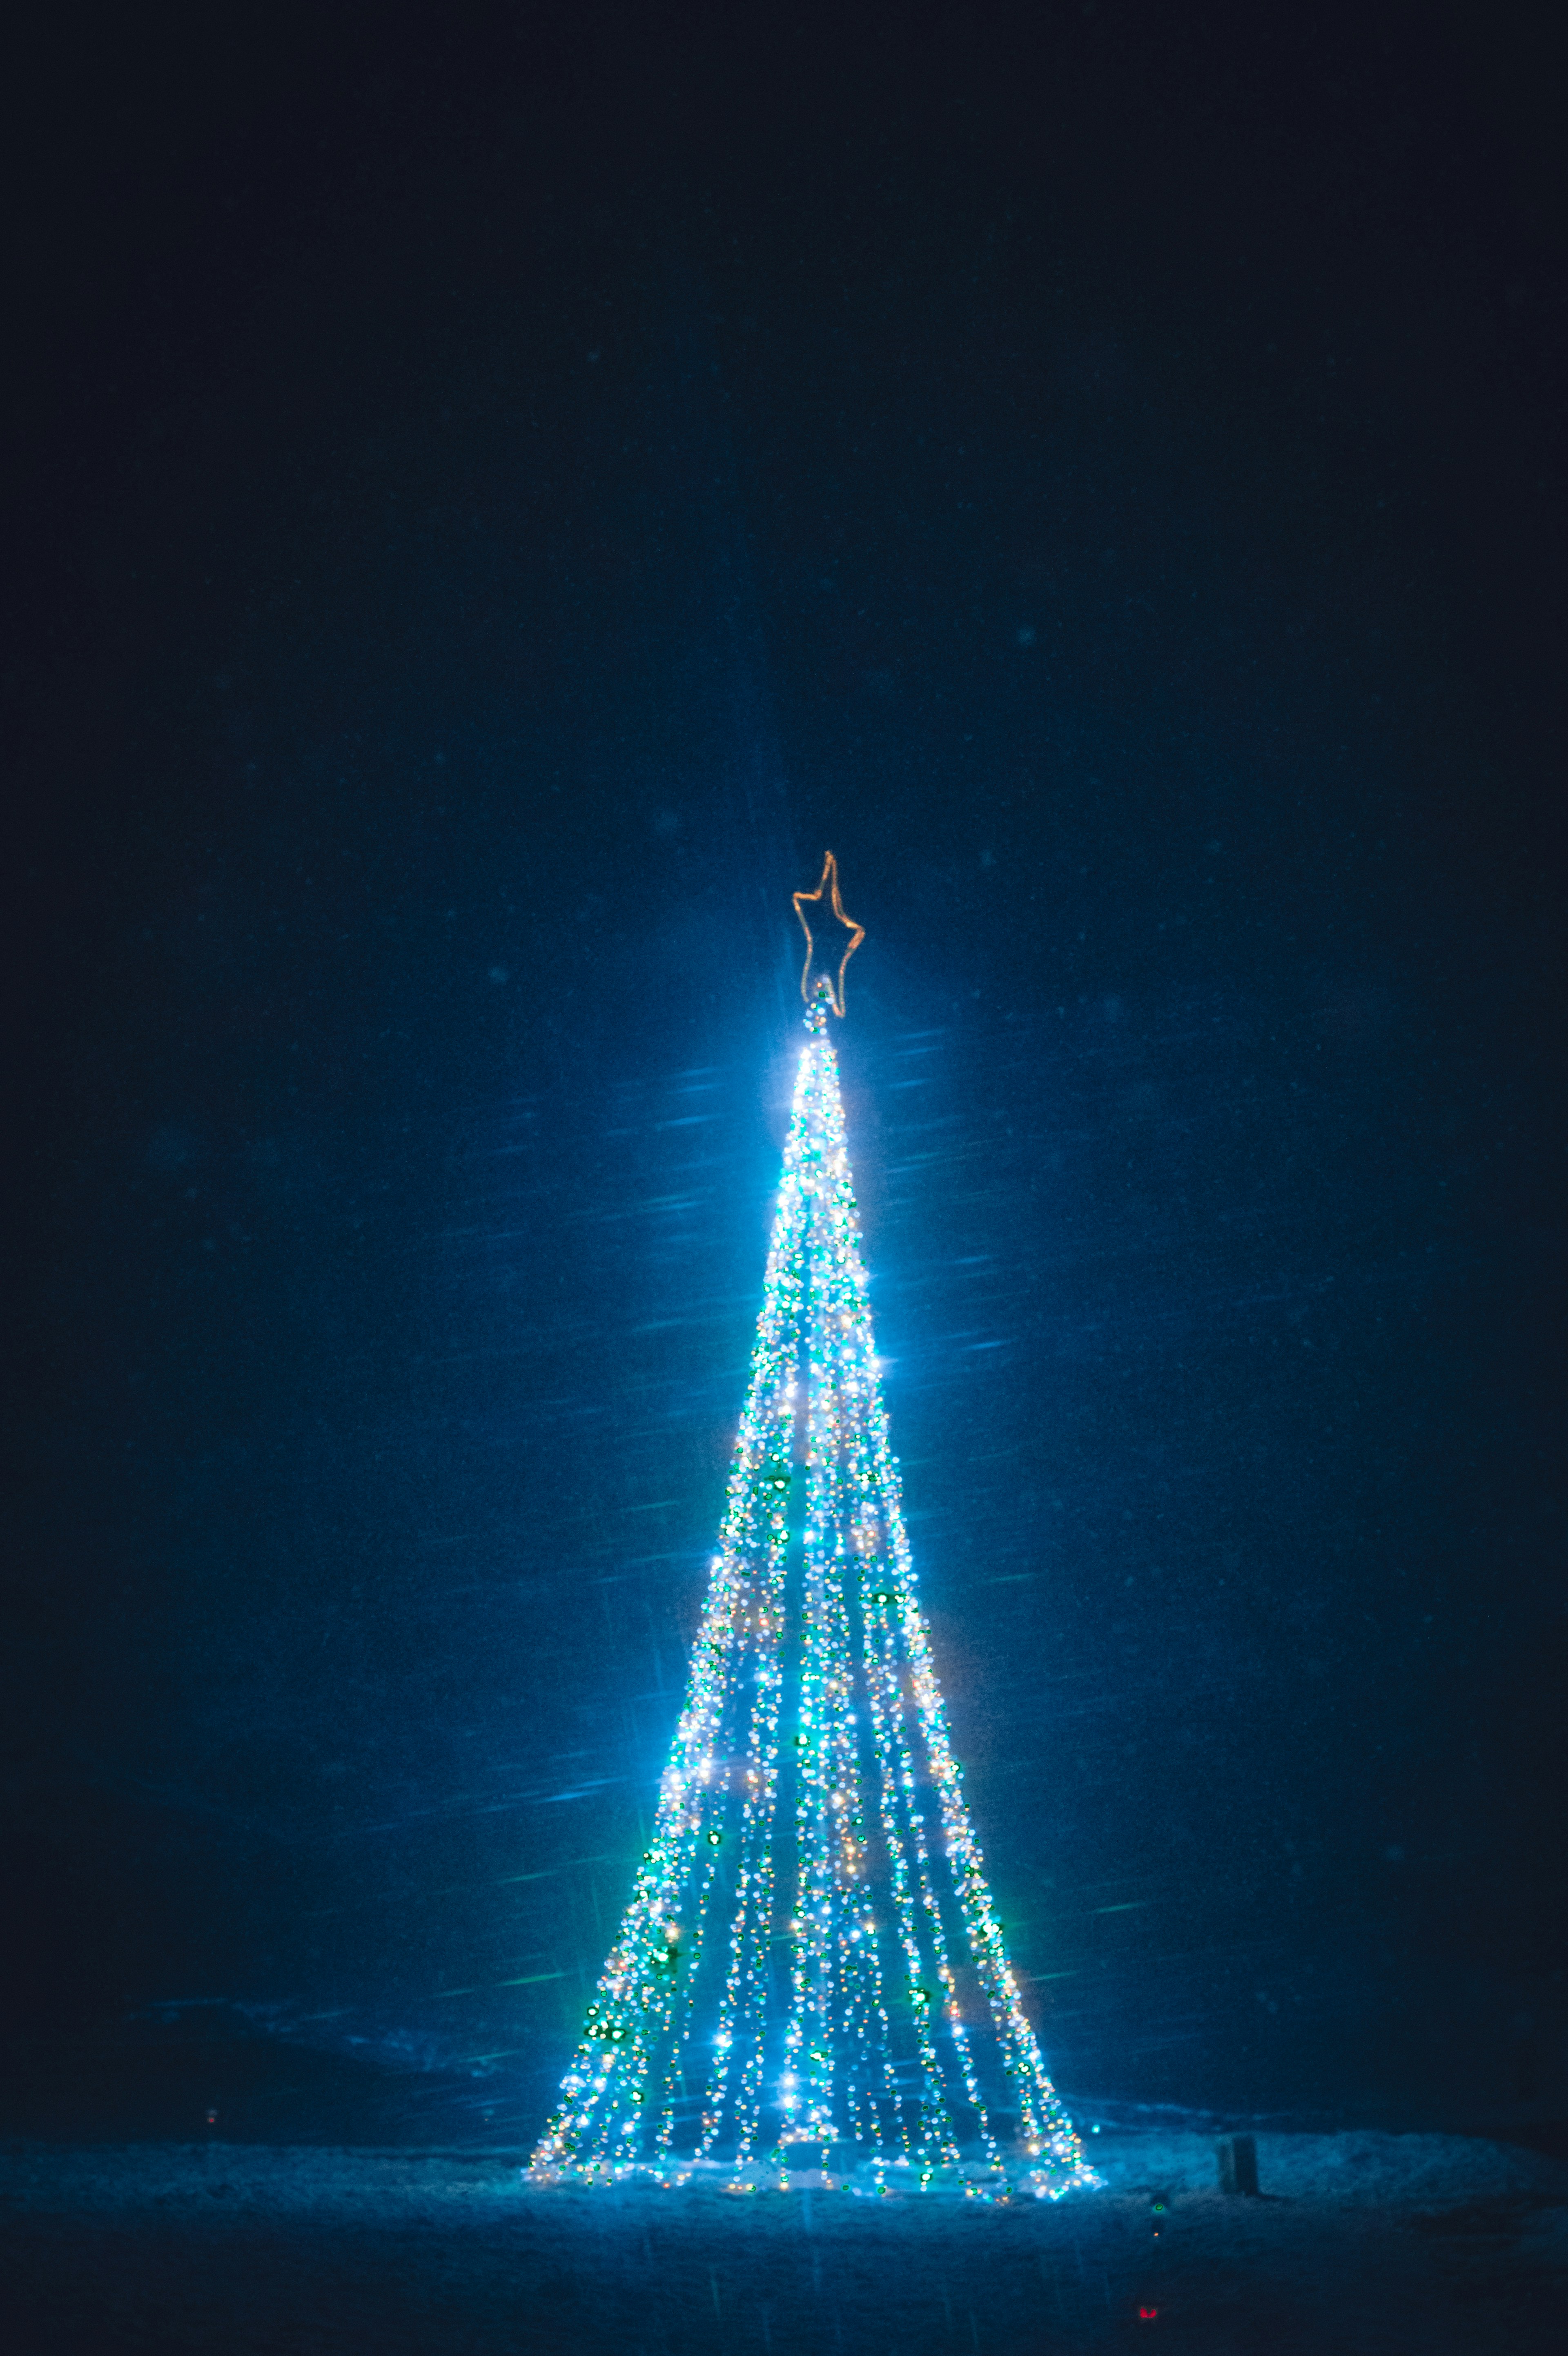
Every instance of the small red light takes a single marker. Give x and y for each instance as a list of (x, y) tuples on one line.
[(1147, 2314)]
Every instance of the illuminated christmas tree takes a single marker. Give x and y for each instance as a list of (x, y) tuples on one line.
[(810, 1984)]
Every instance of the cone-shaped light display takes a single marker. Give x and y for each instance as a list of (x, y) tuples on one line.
[(810, 1983)]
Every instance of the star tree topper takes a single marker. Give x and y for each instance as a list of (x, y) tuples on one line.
[(819, 912)]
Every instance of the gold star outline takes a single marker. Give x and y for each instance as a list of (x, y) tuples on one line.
[(825, 902)]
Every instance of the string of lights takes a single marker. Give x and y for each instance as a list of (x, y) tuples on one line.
[(810, 1983)]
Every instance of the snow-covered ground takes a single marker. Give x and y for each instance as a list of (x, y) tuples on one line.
[(1360, 2242)]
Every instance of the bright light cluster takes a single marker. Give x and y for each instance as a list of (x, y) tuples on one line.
[(811, 1978)]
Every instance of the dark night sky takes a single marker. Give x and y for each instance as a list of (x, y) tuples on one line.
[(490, 505)]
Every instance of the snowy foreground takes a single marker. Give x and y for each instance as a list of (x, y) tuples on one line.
[(1360, 2242)]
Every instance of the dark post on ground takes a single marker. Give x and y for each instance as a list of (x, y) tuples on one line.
[(1237, 2156)]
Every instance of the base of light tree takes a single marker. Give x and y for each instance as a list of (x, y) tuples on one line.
[(868, 2176)]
